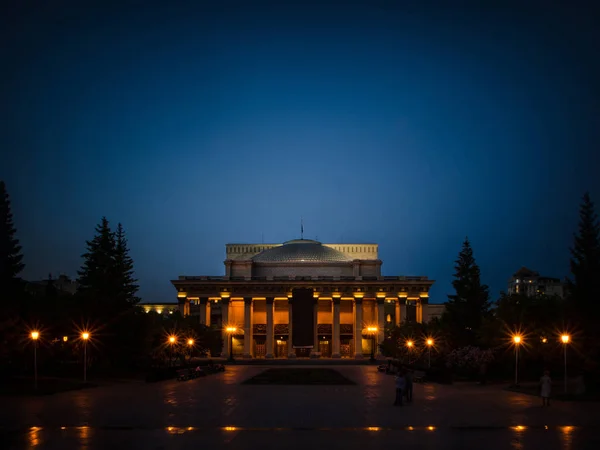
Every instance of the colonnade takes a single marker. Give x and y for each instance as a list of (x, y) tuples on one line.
[(359, 326)]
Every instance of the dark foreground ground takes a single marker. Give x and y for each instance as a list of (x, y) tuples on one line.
[(220, 412)]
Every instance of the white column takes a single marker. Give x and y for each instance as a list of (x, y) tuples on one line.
[(269, 349), (358, 327), (336, 328), (291, 352), (424, 301), (315, 350), (403, 308), (203, 310), (248, 327), (380, 324), (224, 323)]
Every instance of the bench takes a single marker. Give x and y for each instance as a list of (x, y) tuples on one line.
[(418, 376)]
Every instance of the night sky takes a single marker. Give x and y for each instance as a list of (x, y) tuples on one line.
[(378, 121)]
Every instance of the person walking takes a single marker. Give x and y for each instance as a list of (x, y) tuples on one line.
[(409, 385), (545, 388), (400, 386)]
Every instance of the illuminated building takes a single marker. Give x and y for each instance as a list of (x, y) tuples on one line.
[(530, 283), (303, 298)]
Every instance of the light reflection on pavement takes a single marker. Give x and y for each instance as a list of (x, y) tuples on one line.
[(217, 410)]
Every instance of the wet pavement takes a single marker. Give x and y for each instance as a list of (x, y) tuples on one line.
[(218, 411)]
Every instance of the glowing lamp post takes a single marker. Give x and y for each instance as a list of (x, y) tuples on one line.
[(230, 331), (517, 341), (35, 335), (373, 332), (172, 341), (190, 343), (565, 338), (85, 336), (409, 345), (429, 343)]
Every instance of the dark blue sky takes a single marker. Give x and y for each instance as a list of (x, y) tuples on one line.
[(382, 121)]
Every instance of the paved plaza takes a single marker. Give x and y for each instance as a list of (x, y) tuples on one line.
[(219, 411)]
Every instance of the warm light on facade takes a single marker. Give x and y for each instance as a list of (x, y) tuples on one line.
[(409, 344), (372, 329), (35, 335), (231, 329), (565, 338), (190, 342), (429, 342), (172, 339), (517, 339), (65, 338)]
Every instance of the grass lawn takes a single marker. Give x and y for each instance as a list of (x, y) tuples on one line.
[(46, 386), (312, 376)]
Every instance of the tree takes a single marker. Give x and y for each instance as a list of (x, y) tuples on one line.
[(124, 268), (584, 288), (97, 281), (11, 258), (466, 308)]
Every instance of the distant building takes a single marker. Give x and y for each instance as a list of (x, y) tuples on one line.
[(530, 283), (63, 284), (163, 309)]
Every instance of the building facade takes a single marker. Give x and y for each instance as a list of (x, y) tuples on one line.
[(530, 283), (303, 298)]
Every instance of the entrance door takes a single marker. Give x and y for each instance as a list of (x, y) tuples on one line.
[(259, 349), (325, 349), (281, 348), (346, 348)]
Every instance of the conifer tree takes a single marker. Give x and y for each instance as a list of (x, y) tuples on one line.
[(11, 258), (97, 275), (124, 268), (466, 308), (585, 264)]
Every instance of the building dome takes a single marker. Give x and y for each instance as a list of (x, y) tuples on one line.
[(299, 251)]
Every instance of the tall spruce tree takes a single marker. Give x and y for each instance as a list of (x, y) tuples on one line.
[(97, 275), (124, 268), (11, 258), (585, 267), (466, 308)]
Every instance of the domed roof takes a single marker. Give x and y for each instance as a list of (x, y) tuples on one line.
[(301, 250)]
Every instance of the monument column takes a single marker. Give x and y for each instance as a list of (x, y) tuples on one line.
[(315, 350), (247, 327), (224, 324), (269, 349), (397, 318), (291, 352), (358, 328), (336, 328), (380, 324)]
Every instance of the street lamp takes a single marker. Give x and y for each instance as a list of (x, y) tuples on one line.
[(373, 332), (565, 338), (34, 337), (409, 345), (85, 336), (517, 341), (172, 342), (190, 343), (230, 331), (429, 343)]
